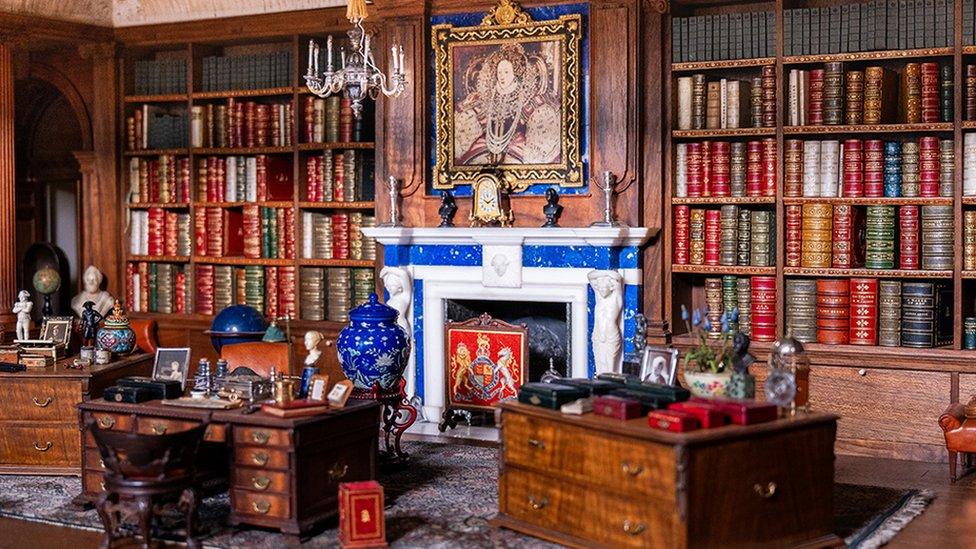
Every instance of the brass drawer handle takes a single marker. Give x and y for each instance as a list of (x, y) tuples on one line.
[(159, 429), (261, 507), (261, 483), (633, 470), (538, 504), (44, 404), (765, 491), (338, 471), (106, 422), (101, 463), (536, 443), (44, 448), (634, 528), (261, 458), (260, 437)]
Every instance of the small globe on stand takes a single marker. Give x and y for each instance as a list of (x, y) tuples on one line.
[(47, 281), (236, 324)]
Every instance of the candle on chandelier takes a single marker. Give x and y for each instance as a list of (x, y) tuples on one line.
[(342, 57), (401, 58), (311, 49), (316, 57), (393, 58), (328, 51)]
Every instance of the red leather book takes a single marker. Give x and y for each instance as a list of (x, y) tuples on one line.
[(970, 84), (144, 286), (794, 234), (154, 229), (261, 167), (309, 119), (769, 167), (179, 292), (339, 176), (769, 95), (277, 177), (262, 123), (289, 236), (170, 230), (908, 238), (853, 168), (205, 289), (754, 168), (287, 289), (130, 289), (250, 119), (719, 183), (930, 92), (345, 120), (864, 311), (873, 168), (340, 236), (673, 420), (682, 234), (833, 311), (271, 292), (617, 407), (706, 167), (200, 231), (232, 232), (696, 185), (708, 414), (361, 522), (713, 233), (815, 96), (221, 179), (251, 227), (928, 166), (763, 308), (793, 176), (843, 237), (743, 412)]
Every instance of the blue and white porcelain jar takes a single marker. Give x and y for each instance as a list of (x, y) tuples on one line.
[(373, 348)]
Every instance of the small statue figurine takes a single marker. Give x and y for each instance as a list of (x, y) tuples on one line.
[(447, 210), (552, 210), (742, 384), (606, 340), (640, 333), (312, 340), (90, 318), (23, 309)]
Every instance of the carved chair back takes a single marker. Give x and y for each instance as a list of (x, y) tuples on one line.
[(138, 459)]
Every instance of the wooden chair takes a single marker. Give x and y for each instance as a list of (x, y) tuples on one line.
[(142, 474), (259, 356)]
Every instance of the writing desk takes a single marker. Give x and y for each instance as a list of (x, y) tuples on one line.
[(281, 473)]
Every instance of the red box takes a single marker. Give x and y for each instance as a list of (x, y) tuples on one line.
[(617, 407), (673, 420), (708, 414), (361, 521), (744, 412)]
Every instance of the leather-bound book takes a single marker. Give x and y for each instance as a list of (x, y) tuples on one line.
[(928, 166), (918, 317), (873, 168), (947, 167), (880, 95), (794, 234), (911, 94), (793, 177), (908, 238), (684, 94), (739, 95), (713, 301), (811, 168), (969, 164), (713, 105), (768, 96), (864, 311), (737, 169), (756, 102), (744, 301), (719, 180), (930, 92), (879, 238), (761, 252), (697, 236), (308, 117), (969, 240), (729, 299), (843, 237), (801, 309), (769, 166), (833, 93), (815, 97), (695, 180), (204, 282), (830, 168), (970, 84), (728, 235), (763, 308), (833, 311), (946, 97), (698, 115), (744, 238), (854, 97), (889, 313), (853, 168), (937, 239), (706, 169), (892, 169), (754, 168), (909, 176), (816, 245)]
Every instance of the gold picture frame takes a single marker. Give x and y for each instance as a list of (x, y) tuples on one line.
[(508, 96)]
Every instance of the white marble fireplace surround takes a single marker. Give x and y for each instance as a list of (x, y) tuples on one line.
[(505, 264)]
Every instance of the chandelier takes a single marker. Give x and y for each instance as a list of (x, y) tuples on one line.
[(357, 77)]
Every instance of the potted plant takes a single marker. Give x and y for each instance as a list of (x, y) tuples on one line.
[(708, 365)]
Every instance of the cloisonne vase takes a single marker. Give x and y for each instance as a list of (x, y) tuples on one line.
[(115, 334), (373, 348)]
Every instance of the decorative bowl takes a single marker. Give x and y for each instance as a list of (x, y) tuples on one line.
[(708, 384)]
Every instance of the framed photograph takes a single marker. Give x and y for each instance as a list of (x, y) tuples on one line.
[(172, 363), (508, 96), (318, 387), (485, 362), (57, 329), (659, 365), (340, 393)]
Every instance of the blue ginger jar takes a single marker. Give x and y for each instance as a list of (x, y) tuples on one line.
[(373, 348)]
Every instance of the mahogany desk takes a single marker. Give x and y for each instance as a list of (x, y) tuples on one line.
[(38, 421), (281, 473)]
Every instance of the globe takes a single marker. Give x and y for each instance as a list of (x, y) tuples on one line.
[(47, 281), (236, 324)]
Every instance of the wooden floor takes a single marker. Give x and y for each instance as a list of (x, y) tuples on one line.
[(949, 522)]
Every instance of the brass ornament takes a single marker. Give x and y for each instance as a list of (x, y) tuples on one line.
[(506, 12)]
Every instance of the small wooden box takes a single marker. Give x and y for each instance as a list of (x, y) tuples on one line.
[(709, 415), (10, 354), (744, 412), (673, 420), (361, 521), (617, 407)]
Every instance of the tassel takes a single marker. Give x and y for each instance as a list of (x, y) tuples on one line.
[(356, 11)]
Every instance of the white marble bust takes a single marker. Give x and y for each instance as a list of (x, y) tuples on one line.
[(92, 280), (312, 340)]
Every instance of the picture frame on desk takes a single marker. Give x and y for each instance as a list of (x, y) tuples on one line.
[(57, 329), (659, 365), (172, 363), (340, 393), (318, 386)]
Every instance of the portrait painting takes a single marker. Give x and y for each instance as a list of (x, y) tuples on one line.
[(57, 329), (172, 364), (508, 96), (485, 362), (659, 365)]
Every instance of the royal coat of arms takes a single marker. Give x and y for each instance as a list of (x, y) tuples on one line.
[(485, 362)]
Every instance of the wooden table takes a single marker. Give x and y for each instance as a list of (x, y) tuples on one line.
[(281, 473), (38, 420), (590, 480)]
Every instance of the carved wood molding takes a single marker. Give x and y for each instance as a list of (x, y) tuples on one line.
[(660, 6), (98, 51)]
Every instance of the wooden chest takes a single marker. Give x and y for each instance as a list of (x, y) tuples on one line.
[(588, 480), (38, 421)]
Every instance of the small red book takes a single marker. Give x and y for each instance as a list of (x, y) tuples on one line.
[(617, 407), (361, 520), (708, 414), (743, 412), (864, 311), (682, 234), (673, 420)]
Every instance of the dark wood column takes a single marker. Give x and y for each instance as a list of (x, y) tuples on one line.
[(8, 263)]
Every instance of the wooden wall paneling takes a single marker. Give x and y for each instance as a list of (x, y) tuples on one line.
[(8, 263), (247, 27), (655, 86)]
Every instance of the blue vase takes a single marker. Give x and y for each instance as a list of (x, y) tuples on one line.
[(116, 335), (373, 348)]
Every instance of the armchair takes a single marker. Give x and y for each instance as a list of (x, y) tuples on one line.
[(960, 437)]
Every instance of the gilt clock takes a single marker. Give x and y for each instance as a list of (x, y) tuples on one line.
[(490, 204)]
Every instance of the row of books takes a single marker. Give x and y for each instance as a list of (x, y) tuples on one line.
[(270, 290), (242, 124), (969, 164), (164, 179), (922, 93), (246, 72), (329, 293), (159, 76), (156, 127), (723, 36), (726, 103), (726, 236), (254, 178), (821, 236), (340, 175), (755, 299), (868, 311), (157, 287), (253, 232), (870, 168), (867, 26), (330, 120), (337, 236), (158, 232), (723, 168)]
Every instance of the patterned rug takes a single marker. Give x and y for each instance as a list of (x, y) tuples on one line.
[(444, 499)]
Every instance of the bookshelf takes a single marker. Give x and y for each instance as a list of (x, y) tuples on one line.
[(214, 78)]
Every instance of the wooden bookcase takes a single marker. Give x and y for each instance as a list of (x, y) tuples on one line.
[(296, 153)]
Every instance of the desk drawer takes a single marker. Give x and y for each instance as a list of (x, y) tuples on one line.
[(161, 426), (261, 480), (40, 400), (266, 458), (587, 456), (44, 446), (261, 436), (260, 505)]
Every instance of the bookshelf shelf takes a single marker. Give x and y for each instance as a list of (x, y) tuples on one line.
[(872, 273), (869, 56), (157, 152), (723, 269), (265, 204), (724, 64), (241, 150), (335, 262), (726, 132), (336, 145), (336, 205), (160, 258), (162, 98), (164, 205), (865, 201), (725, 200), (265, 262), (869, 128), (265, 92)]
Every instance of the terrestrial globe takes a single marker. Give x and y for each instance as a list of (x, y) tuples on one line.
[(236, 324)]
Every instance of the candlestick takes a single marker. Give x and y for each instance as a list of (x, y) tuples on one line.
[(342, 56), (311, 49), (401, 59), (328, 48), (316, 56), (393, 58)]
